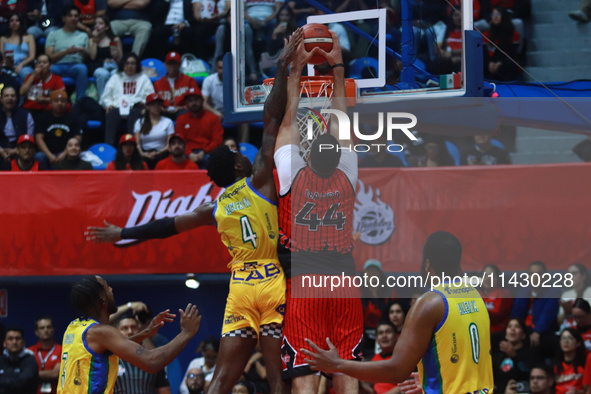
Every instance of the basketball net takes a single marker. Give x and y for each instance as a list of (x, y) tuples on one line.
[(315, 95)]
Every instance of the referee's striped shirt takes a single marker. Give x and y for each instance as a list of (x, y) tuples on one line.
[(132, 380)]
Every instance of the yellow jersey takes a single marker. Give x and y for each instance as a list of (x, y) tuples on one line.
[(248, 224), (458, 358), (81, 369)]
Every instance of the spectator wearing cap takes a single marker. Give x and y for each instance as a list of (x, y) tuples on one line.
[(133, 17), (24, 161), (73, 161), (201, 130), (177, 160), (38, 86), (14, 121), (127, 157), (213, 90), (173, 18), (152, 131), (124, 97), (68, 49), (173, 86), (55, 128)]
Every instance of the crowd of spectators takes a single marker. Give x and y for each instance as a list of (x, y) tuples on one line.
[(43, 42)]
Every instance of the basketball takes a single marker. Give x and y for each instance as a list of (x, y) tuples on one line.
[(317, 35)]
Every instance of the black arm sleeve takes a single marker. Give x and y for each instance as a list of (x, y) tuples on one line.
[(162, 228)]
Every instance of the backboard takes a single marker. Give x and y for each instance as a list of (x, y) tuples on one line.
[(418, 49)]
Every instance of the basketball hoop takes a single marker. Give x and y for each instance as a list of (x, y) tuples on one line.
[(315, 95)]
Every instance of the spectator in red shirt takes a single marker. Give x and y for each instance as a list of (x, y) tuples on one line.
[(128, 157), (38, 86), (177, 159), (386, 338), (497, 299), (48, 355), (201, 130), (570, 364), (25, 150), (173, 86), (502, 33)]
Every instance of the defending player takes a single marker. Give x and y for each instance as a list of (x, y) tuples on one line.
[(446, 332), (318, 230), (91, 347), (246, 217)]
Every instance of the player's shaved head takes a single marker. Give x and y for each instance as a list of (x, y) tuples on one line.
[(444, 252), (220, 166)]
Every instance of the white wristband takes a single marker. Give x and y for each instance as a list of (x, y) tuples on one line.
[(129, 305)]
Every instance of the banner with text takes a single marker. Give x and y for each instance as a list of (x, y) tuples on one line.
[(506, 215)]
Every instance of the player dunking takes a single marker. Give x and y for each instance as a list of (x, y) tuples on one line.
[(246, 218), (316, 214), (446, 332)]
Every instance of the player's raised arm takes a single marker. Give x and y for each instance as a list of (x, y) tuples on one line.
[(289, 132), (339, 100), (273, 113), (103, 338), (161, 228), (414, 340)]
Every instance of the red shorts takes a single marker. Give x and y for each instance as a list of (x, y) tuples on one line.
[(327, 316)]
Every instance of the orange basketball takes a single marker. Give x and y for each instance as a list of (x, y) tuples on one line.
[(317, 35)]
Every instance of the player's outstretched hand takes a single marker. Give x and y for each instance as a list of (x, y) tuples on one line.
[(323, 360), (158, 321), (190, 319), (335, 56), (411, 385), (303, 57), (291, 44), (110, 233)]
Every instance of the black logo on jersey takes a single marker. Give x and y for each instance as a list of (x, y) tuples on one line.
[(455, 358)]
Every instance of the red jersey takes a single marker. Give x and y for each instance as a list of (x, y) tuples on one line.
[(181, 85), (41, 88), (47, 359), (499, 305), (322, 215), (569, 378), (203, 131), (168, 164)]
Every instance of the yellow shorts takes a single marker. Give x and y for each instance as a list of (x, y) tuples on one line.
[(257, 296)]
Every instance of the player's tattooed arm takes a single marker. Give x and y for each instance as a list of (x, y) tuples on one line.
[(140, 349)]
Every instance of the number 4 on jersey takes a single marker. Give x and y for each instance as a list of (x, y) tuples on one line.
[(248, 235)]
